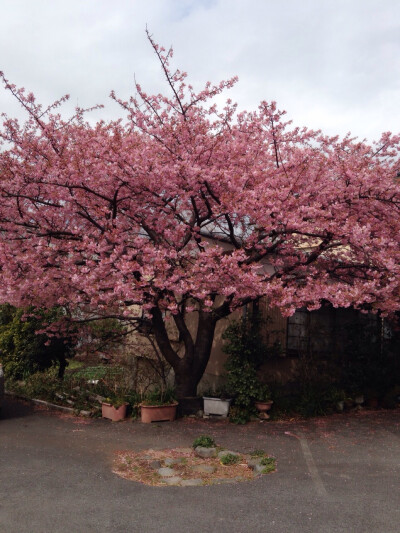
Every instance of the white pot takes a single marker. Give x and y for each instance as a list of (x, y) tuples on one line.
[(216, 406)]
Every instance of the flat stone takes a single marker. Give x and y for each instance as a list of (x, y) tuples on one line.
[(227, 452), (167, 472), (155, 464), (205, 452), (174, 480), (191, 482), (206, 469), (259, 469), (85, 413), (169, 461), (253, 462)]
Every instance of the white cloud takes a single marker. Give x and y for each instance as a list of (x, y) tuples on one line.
[(333, 65)]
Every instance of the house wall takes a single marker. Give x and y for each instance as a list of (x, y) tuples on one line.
[(274, 331), (294, 343), (214, 374), (320, 334)]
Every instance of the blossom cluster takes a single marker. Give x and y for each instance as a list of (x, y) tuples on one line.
[(181, 201)]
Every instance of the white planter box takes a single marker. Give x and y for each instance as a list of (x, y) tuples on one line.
[(216, 406)]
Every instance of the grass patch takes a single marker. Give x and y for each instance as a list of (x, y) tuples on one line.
[(74, 365), (98, 372)]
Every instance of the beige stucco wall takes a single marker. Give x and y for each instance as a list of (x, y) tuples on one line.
[(277, 368)]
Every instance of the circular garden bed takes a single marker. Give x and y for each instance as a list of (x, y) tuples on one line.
[(200, 465)]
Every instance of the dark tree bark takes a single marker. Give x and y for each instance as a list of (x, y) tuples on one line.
[(61, 368), (189, 368)]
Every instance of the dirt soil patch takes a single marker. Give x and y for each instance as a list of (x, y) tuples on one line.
[(143, 467)]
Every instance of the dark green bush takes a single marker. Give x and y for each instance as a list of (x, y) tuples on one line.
[(22, 350), (238, 415), (43, 385), (204, 441), (229, 459), (246, 351)]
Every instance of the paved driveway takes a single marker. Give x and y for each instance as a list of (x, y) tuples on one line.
[(338, 474)]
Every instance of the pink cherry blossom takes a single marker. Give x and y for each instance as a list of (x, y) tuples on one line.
[(185, 208)]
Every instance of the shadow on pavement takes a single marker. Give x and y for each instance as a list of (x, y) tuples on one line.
[(15, 409)]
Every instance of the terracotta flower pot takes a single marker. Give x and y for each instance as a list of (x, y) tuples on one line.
[(263, 407), (113, 413), (158, 413)]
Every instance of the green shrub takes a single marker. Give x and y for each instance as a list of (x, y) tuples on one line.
[(310, 399), (133, 398), (43, 385), (23, 351), (246, 351), (239, 415), (229, 459), (269, 464), (116, 401), (75, 391), (159, 396), (204, 441)]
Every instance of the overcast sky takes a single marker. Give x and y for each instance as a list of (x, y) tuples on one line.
[(331, 64)]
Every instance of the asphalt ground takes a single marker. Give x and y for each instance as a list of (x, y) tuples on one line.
[(334, 474)]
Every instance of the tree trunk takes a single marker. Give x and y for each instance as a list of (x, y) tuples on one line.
[(190, 368), (61, 368), (186, 382)]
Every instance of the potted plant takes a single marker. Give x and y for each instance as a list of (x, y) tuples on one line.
[(263, 403), (158, 405), (114, 408), (217, 403)]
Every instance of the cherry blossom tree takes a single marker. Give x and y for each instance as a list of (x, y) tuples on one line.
[(189, 210)]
